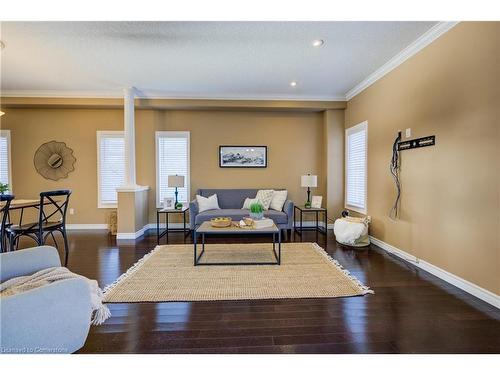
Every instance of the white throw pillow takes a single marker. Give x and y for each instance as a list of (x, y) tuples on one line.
[(249, 202), (279, 198), (265, 197), (210, 203)]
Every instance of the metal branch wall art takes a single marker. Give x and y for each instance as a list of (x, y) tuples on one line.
[(54, 160)]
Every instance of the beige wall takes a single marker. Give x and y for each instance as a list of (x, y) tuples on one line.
[(450, 203), (77, 127), (294, 140), (294, 143)]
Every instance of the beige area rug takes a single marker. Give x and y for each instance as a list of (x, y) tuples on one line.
[(167, 274)]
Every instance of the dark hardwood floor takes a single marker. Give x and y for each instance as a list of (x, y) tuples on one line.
[(410, 312)]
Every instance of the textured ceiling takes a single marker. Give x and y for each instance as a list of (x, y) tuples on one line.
[(255, 60)]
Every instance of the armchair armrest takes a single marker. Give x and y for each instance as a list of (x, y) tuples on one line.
[(27, 261), (288, 209), (193, 211), (54, 318)]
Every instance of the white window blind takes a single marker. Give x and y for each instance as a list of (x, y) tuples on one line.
[(172, 158), (111, 166), (5, 177), (356, 167)]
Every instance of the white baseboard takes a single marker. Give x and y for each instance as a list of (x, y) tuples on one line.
[(312, 223), (471, 288), (131, 236), (305, 224), (86, 226), (163, 226)]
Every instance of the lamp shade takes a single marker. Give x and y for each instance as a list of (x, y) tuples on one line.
[(309, 181), (175, 181)]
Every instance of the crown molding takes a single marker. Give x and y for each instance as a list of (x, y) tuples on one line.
[(139, 94), (423, 41)]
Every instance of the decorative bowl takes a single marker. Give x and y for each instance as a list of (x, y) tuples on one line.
[(221, 222)]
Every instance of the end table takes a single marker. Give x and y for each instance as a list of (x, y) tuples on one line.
[(182, 211), (302, 209)]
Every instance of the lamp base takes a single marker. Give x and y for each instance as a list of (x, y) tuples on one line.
[(177, 205), (308, 201)]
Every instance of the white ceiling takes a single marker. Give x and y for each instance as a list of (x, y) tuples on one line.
[(240, 60)]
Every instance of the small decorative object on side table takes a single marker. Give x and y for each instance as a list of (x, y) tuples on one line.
[(316, 201), (183, 210), (308, 181), (322, 229), (177, 182)]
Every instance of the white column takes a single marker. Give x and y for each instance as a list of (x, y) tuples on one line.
[(132, 199), (129, 131)]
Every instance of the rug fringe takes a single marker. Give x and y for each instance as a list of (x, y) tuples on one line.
[(364, 288), (130, 271)]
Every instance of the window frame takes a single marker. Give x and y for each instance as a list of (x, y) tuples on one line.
[(105, 134), (349, 131), (172, 134), (6, 133)]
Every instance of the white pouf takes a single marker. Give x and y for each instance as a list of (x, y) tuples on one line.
[(352, 231)]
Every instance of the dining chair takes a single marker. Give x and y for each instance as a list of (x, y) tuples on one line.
[(51, 218), (6, 199)]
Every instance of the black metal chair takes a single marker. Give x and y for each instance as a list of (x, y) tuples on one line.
[(48, 222), (4, 216)]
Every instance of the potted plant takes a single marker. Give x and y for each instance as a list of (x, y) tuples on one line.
[(4, 188), (256, 211)]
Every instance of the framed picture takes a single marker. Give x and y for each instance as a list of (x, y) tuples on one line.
[(168, 204), (316, 201), (243, 156)]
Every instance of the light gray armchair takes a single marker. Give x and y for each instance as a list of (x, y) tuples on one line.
[(51, 319)]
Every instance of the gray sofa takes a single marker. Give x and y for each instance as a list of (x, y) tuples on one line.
[(230, 203), (52, 319)]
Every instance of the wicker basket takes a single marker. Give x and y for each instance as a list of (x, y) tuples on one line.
[(221, 222)]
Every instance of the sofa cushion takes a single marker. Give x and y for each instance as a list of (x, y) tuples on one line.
[(248, 202), (279, 217), (205, 204), (238, 214), (229, 198), (265, 197), (279, 198)]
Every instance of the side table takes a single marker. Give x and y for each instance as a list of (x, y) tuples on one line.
[(182, 211), (302, 209)]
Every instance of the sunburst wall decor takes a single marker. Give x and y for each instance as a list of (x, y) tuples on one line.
[(54, 160)]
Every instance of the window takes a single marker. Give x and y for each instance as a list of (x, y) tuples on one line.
[(110, 167), (5, 169), (356, 149), (172, 158)]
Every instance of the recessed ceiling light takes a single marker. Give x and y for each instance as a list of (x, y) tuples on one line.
[(293, 83), (318, 42)]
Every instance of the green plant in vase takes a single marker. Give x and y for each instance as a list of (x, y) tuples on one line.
[(256, 211), (4, 188)]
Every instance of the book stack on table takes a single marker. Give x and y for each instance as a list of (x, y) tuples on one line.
[(262, 223)]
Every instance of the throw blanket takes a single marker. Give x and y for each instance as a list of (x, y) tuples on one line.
[(44, 277)]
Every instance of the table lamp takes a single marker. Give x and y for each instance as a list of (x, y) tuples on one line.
[(308, 181), (176, 182)]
